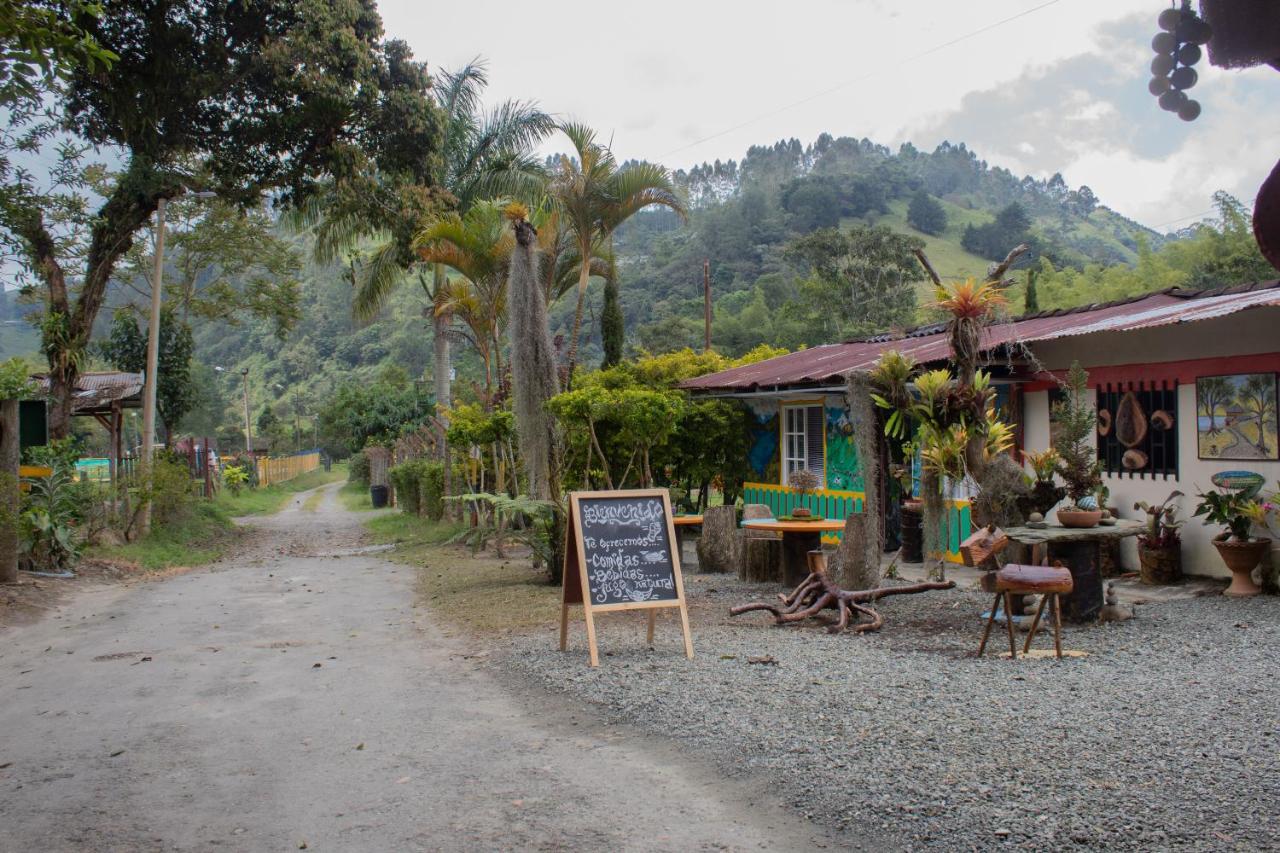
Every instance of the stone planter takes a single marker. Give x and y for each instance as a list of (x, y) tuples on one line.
[(1079, 517), (1241, 558), (1158, 566)]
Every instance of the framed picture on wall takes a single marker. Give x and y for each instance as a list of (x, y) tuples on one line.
[(1236, 417)]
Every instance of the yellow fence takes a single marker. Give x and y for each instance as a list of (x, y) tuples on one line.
[(282, 468)]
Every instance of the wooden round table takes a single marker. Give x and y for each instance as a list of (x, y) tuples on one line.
[(798, 539)]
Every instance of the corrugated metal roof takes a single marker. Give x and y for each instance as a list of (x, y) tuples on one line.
[(823, 364), (100, 389)]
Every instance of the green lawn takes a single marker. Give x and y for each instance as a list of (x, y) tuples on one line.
[(355, 497), (479, 593), (204, 536)]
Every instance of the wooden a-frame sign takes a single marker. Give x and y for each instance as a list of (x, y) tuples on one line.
[(620, 554)]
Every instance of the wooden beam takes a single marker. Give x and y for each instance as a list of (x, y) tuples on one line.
[(928, 267)]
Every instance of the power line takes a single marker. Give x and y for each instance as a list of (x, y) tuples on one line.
[(822, 94)]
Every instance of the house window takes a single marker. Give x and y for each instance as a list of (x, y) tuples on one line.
[(1138, 429), (803, 441)]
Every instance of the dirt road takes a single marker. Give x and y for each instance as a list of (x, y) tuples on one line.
[(293, 698)]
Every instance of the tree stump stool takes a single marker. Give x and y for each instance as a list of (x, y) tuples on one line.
[(761, 549), (718, 548), (1046, 581)]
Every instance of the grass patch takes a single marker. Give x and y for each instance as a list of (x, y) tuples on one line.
[(313, 502), (272, 498), (355, 497), (202, 537), (480, 593)]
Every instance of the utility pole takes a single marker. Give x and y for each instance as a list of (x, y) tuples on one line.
[(706, 305), (248, 430), (152, 377), (153, 361)]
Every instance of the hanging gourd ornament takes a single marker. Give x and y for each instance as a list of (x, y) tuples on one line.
[(1177, 48)]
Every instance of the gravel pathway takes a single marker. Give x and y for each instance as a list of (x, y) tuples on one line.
[(1166, 736)]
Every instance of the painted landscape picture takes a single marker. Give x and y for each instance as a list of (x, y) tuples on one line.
[(1236, 417)]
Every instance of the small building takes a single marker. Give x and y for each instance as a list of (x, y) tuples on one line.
[(1206, 360)]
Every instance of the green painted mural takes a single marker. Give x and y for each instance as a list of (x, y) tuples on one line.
[(842, 454)]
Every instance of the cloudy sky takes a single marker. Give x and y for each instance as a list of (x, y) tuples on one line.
[(1037, 86)]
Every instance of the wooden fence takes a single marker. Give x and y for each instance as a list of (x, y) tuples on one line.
[(278, 469)]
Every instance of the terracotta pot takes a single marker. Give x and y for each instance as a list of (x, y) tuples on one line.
[(1160, 565), (1241, 558), (1079, 517)]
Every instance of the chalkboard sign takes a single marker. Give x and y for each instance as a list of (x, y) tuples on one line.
[(619, 555)]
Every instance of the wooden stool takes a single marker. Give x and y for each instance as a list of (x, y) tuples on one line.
[(1045, 581)]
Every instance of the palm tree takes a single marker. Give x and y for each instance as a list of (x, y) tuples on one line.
[(478, 246), (594, 196)]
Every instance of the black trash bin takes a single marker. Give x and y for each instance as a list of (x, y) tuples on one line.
[(379, 496)]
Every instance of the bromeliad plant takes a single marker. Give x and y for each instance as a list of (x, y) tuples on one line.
[(1162, 522)]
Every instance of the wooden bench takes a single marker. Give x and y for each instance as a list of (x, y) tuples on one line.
[(1014, 579)]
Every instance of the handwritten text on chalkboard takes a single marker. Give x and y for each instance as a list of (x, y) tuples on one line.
[(627, 550)]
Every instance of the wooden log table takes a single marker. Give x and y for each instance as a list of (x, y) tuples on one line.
[(681, 522), (1079, 550), (798, 539)]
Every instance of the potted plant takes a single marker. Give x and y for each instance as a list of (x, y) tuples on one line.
[(1238, 511), (1077, 459), (1045, 493), (1160, 547), (804, 483)]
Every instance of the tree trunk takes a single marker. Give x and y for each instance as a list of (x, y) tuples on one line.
[(719, 546), (440, 374), (584, 276), (535, 379), (8, 491)]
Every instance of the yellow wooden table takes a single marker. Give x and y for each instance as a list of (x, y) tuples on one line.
[(798, 539), (681, 522)]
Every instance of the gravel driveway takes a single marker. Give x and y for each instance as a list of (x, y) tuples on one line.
[(1166, 736)]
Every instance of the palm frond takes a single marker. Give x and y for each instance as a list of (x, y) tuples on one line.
[(638, 186), (376, 279)]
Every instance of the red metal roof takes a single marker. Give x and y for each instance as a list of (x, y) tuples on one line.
[(829, 363)]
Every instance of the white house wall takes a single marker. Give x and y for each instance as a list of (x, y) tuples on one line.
[(1248, 334)]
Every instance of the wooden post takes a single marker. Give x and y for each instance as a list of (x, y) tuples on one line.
[(9, 451), (706, 305), (208, 472)]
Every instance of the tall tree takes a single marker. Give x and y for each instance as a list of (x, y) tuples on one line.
[(925, 214), (595, 196), (41, 42), (478, 246), (533, 365), (860, 281), (215, 82), (612, 328)]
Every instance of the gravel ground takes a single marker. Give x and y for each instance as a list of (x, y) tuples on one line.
[(1166, 736)]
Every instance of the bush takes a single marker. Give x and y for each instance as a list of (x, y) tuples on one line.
[(419, 487), (431, 490), (358, 470), (235, 478)]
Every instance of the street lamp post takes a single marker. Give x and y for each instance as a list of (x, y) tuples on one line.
[(151, 379)]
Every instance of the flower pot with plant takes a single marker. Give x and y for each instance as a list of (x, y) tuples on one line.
[(1238, 511), (1160, 547), (1077, 459), (803, 483)]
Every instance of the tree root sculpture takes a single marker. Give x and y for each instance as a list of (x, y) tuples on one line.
[(818, 592)]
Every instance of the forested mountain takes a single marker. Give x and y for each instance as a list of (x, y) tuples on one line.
[(744, 215)]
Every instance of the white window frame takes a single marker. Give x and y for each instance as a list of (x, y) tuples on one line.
[(796, 443)]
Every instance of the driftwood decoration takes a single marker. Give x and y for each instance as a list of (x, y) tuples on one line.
[(819, 592), (1130, 421)]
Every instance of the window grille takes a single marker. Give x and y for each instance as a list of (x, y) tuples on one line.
[(1149, 445)]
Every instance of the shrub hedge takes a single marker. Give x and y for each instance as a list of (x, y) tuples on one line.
[(419, 488)]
